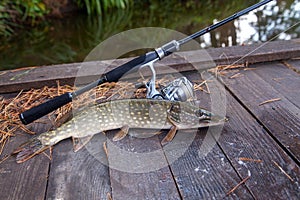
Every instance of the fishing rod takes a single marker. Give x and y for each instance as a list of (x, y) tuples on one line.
[(114, 75)]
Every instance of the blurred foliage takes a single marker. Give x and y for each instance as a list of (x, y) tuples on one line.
[(5, 22), (278, 20), (99, 6), (173, 14), (15, 13), (47, 45), (30, 12), (71, 39)]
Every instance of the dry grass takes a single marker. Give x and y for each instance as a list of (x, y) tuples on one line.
[(222, 69), (10, 109), (269, 101)]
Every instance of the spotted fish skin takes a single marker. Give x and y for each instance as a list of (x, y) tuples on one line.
[(132, 113)]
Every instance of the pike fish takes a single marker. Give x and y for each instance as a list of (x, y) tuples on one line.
[(122, 114)]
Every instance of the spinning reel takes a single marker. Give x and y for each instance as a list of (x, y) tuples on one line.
[(180, 89)]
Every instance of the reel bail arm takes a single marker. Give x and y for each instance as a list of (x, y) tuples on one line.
[(180, 89)]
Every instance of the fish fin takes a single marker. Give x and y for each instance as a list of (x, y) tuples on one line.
[(157, 132), (121, 134), (170, 135), (143, 133), (29, 149), (78, 143)]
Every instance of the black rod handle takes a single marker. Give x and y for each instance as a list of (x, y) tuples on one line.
[(57, 102), (43, 109)]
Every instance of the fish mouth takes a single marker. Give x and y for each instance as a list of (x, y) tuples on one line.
[(205, 120), (218, 118), (205, 115)]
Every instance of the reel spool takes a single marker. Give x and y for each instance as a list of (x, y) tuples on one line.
[(180, 89)]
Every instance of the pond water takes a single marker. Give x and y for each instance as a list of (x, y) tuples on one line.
[(71, 39)]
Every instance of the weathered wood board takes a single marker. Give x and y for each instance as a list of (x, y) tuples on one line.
[(259, 141), (27, 180), (77, 175), (139, 169), (244, 137), (266, 82), (204, 175), (293, 65), (36, 77)]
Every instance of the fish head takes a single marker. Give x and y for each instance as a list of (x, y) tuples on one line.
[(186, 116)]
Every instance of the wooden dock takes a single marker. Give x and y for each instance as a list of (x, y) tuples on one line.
[(255, 156)]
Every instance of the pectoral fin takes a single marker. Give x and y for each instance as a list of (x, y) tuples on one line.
[(78, 143), (169, 137), (121, 134)]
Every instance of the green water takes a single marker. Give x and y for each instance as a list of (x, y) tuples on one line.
[(71, 39)]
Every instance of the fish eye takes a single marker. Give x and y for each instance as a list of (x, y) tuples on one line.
[(199, 113), (202, 114)]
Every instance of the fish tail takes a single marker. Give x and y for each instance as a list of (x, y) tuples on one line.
[(29, 149)]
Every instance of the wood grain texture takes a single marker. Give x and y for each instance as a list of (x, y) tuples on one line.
[(205, 176), (244, 137), (284, 80), (16, 80), (270, 81), (256, 53), (293, 64), (77, 175), (26, 180), (268, 133), (139, 170), (200, 168)]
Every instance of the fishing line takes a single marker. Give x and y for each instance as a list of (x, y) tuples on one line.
[(265, 43)]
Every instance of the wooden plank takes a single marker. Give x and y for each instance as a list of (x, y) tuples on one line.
[(138, 170), (256, 53), (15, 80), (205, 177), (283, 79), (244, 137), (293, 65), (271, 81), (77, 175), (201, 169), (26, 180), (32, 77), (195, 176)]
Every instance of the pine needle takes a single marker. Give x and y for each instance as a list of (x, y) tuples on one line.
[(238, 185), (269, 101), (283, 171), (105, 149), (250, 160), (236, 75)]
